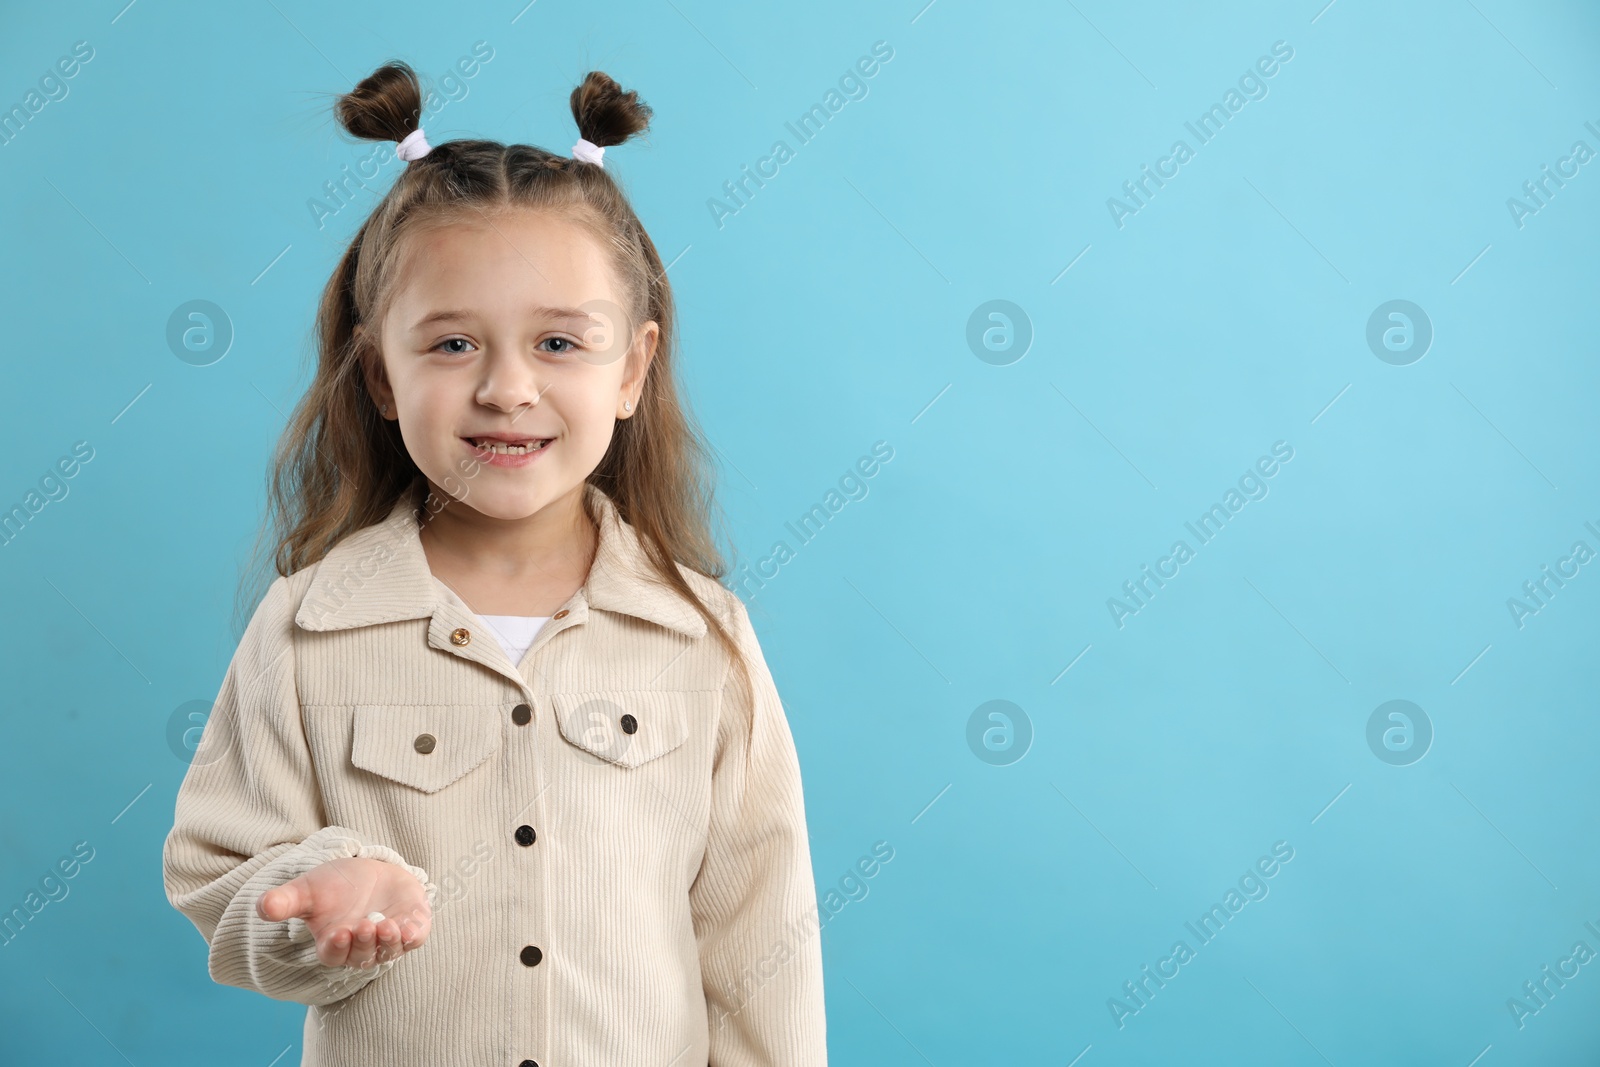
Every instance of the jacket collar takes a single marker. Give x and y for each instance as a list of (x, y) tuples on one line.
[(380, 574)]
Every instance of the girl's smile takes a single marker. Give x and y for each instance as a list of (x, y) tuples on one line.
[(515, 452)]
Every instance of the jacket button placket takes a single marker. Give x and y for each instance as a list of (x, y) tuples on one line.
[(526, 812), (526, 825)]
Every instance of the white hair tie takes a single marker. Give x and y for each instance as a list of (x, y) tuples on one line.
[(415, 146), (589, 152)]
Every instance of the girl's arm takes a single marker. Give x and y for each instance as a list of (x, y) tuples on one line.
[(754, 901), (248, 819)]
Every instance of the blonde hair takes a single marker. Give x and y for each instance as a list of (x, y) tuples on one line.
[(340, 466)]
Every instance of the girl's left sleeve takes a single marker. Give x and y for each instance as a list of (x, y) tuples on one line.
[(754, 901)]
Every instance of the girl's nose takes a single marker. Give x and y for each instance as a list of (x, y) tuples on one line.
[(509, 383)]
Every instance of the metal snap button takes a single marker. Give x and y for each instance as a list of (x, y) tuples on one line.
[(461, 635), (531, 955), (424, 743), (521, 714), (629, 724), (563, 613)]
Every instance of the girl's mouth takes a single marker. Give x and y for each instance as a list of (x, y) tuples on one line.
[(489, 444), (501, 454)]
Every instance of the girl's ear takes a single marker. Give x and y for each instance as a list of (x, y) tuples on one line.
[(640, 355), (373, 374)]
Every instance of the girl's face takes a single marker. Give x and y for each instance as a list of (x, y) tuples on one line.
[(509, 325)]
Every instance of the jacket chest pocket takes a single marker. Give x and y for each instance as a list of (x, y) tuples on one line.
[(625, 727), (424, 746)]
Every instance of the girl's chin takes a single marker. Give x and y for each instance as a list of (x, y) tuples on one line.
[(505, 503)]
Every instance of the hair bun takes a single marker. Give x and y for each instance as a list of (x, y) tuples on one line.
[(606, 115), (385, 106)]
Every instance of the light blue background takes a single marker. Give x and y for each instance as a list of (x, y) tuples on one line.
[(831, 313)]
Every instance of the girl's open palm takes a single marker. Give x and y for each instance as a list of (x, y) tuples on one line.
[(335, 898)]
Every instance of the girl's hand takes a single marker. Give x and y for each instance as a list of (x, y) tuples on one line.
[(335, 899)]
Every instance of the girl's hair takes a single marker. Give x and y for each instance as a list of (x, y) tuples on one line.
[(339, 466)]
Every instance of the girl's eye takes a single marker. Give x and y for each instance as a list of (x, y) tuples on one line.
[(451, 341), (570, 345)]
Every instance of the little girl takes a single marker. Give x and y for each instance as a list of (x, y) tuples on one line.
[(498, 774)]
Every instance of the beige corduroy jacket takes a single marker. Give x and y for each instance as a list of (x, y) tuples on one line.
[(611, 833)]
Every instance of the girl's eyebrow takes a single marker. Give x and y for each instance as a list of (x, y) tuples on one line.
[(461, 314)]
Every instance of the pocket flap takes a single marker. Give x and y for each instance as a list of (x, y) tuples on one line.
[(425, 746), (625, 727)]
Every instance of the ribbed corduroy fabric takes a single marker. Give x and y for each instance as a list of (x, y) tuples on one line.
[(668, 884)]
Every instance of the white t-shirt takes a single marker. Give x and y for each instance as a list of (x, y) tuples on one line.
[(515, 632)]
